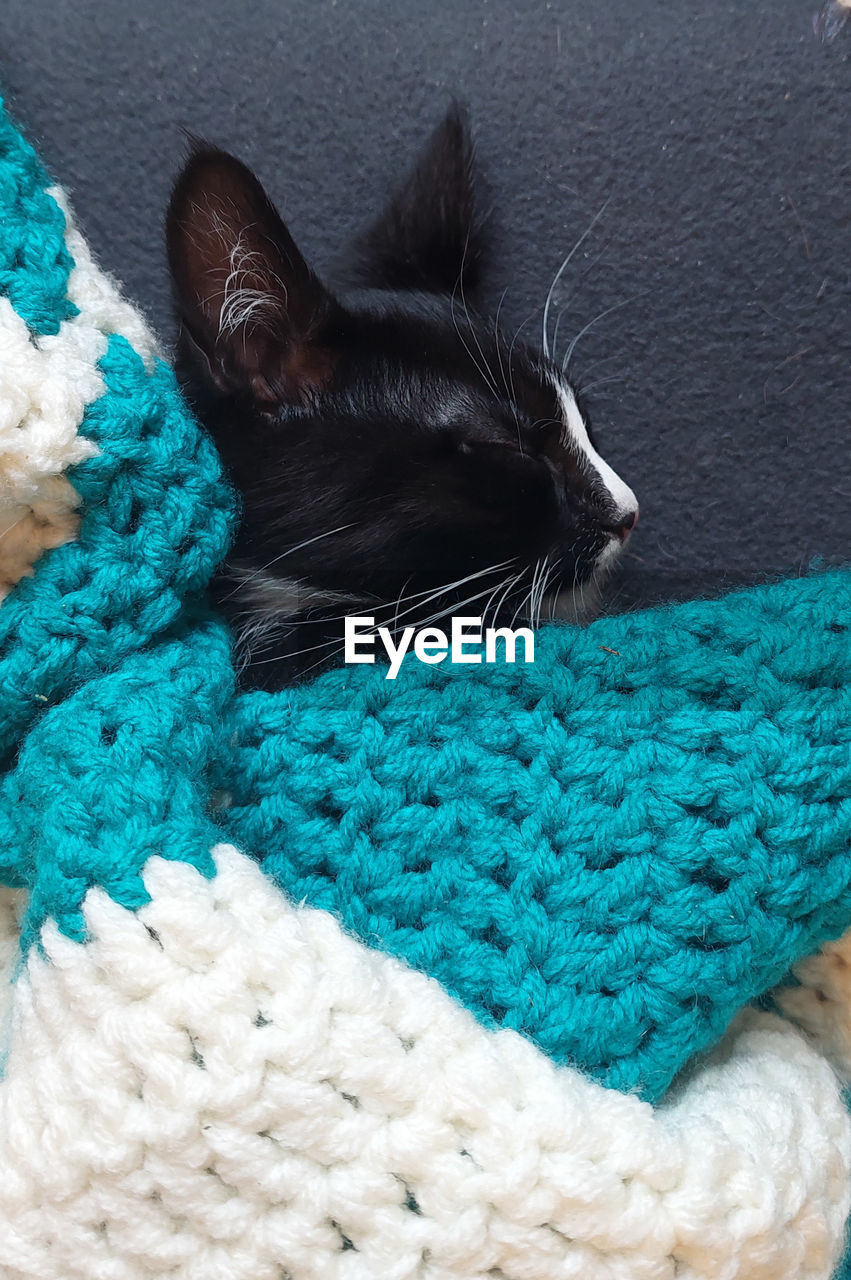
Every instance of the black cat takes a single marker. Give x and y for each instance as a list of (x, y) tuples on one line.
[(395, 453)]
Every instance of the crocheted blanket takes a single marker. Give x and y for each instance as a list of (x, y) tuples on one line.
[(442, 977)]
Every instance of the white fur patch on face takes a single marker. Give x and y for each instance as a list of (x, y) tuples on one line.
[(274, 604), (623, 499), (283, 598), (607, 557), (576, 433)]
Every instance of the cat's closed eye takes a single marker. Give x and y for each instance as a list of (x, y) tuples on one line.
[(391, 446)]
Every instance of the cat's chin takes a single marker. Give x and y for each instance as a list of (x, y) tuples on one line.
[(584, 602), (578, 604)]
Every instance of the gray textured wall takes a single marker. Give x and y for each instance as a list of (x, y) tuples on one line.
[(718, 133)]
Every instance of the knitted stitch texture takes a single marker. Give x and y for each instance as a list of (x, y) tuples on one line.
[(610, 852)]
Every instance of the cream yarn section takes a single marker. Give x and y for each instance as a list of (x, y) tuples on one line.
[(46, 382), (225, 1084)]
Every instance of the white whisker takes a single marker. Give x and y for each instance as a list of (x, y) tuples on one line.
[(308, 542), (590, 325), (558, 275), (512, 583)]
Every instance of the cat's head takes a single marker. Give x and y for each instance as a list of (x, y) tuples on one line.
[(392, 446)]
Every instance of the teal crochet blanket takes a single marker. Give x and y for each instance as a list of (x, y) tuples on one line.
[(610, 852)]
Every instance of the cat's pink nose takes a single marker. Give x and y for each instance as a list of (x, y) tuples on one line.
[(626, 524)]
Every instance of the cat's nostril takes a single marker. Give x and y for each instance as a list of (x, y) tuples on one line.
[(625, 524)]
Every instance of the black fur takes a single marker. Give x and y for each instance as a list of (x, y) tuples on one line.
[(429, 236), (386, 440)]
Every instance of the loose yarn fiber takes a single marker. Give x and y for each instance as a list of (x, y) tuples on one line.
[(389, 979)]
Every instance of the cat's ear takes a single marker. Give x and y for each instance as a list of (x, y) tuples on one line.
[(247, 299), (429, 236)]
